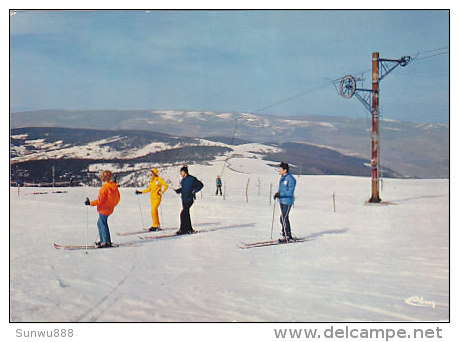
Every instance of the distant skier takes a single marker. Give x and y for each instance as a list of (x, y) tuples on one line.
[(156, 188), (109, 197), (285, 195), (189, 187), (219, 186), (19, 184)]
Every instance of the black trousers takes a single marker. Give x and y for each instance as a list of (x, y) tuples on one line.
[(284, 220), (219, 189), (185, 219)]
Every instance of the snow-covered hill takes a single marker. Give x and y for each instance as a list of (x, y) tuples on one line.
[(43, 155), (411, 149), (36, 143), (362, 263)]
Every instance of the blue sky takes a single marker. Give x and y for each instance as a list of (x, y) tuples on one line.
[(227, 61)]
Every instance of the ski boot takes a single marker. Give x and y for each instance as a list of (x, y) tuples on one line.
[(103, 244), (181, 232), (284, 239)]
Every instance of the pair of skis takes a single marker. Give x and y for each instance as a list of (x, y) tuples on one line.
[(75, 247), (243, 246), (214, 229), (271, 243), (128, 244), (175, 235), (143, 231)]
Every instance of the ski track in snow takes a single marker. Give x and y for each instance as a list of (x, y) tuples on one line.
[(362, 263), (101, 306)]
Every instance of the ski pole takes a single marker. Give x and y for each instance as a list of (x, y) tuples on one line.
[(141, 216), (272, 222), (87, 227), (161, 214)]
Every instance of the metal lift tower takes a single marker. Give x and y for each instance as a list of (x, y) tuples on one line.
[(347, 88)]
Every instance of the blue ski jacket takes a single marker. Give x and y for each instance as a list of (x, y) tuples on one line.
[(287, 185), (190, 185)]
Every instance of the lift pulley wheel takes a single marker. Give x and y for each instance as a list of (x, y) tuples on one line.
[(405, 60), (347, 86)]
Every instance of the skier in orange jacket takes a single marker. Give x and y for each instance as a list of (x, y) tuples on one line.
[(109, 197), (156, 188)]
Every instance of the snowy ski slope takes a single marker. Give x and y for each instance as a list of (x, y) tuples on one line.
[(363, 263)]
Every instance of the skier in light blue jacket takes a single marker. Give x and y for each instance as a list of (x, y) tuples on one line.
[(285, 195)]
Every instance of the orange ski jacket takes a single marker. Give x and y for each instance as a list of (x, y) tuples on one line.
[(109, 197)]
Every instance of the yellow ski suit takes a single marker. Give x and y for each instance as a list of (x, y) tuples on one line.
[(156, 188)]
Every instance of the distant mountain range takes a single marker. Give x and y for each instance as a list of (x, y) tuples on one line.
[(76, 155), (320, 145), (65, 156)]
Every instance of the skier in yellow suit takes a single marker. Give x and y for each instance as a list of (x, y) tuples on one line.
[(156, 188)]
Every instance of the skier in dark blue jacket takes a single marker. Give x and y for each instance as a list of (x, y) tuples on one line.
[(285, 195), (189, 187)]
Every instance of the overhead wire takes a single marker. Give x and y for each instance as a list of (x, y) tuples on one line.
[(292, 97), (418, 56), (434, 50), (225, 162), (437, 54)]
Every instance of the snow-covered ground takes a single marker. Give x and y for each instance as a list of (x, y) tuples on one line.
[(363, 262)]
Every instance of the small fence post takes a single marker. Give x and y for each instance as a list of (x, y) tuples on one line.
[(334, 207), (247, 191)]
